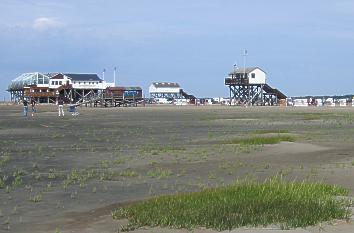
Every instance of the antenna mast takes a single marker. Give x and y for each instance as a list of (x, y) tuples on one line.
[(114, 76), (245, 53), (104, 70)]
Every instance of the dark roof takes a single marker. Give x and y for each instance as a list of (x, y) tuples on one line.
[(166, 84), (56, 76), (84, 77), (124, 88), (242, 70), (274, 91)]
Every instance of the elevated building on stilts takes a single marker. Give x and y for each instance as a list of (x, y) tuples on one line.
[(78, 89), (248, 87), (48, 87)]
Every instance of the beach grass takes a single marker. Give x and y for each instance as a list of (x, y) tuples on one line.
[(260, 140), (245, 203)]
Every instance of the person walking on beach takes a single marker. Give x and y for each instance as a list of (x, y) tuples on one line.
[(25, 107), (33, 104), (60, 106)]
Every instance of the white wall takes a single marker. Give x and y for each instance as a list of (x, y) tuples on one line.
[(62, 80), (153, 89), (180, 102), (301, 103), (92, 85), (260, 77), (342, 102)]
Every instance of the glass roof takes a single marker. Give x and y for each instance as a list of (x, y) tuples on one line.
[(28, 79)]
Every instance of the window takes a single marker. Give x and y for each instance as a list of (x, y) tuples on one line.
[(56, 82), (52, 82), (60, 82), (40, 79), (253, 75), (84, 82)]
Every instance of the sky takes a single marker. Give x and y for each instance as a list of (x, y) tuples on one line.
[(305, 47)]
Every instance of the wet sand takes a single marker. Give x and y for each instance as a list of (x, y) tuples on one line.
[(127, 148)]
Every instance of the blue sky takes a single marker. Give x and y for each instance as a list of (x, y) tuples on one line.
[(306, 47)]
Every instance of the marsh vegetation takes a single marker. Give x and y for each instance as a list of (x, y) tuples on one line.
[(244, 203)]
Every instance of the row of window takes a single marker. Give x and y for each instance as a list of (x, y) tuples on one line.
[(87, 82), (41, 90), (57, 82), (60, 83), (253, 75)]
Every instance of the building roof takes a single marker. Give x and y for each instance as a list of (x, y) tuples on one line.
[(247, 69), (274, 91), (28, 79), (56, 76), (84, 77), (124, 88), (166, 84), (76, 76)]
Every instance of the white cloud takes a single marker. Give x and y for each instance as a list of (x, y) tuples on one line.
[(43, 24)]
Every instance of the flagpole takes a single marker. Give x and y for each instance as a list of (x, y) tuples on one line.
[(244, 74), (114, 76), (244, 63)]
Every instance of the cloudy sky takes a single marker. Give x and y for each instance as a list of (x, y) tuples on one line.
[(306, 47)]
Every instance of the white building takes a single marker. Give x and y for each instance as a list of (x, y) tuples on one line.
[(248, 86), (329, 102), (165, 90), (182, 101), (78, 81), (342, 102), (47, 87), (301, 103), (254, 75)]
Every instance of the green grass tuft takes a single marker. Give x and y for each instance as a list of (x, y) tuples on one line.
[(262, 140), (128, 173), (159, 173), (268, 131), (241, 204)]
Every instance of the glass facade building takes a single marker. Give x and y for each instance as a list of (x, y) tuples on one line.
[(28, 79)]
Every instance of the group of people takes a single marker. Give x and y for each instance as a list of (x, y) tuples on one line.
[(33, 103), (25, 107)]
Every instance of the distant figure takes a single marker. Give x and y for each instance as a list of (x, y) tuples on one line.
[(25, 107), (60, 106), (33, 103), (72, 108)]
